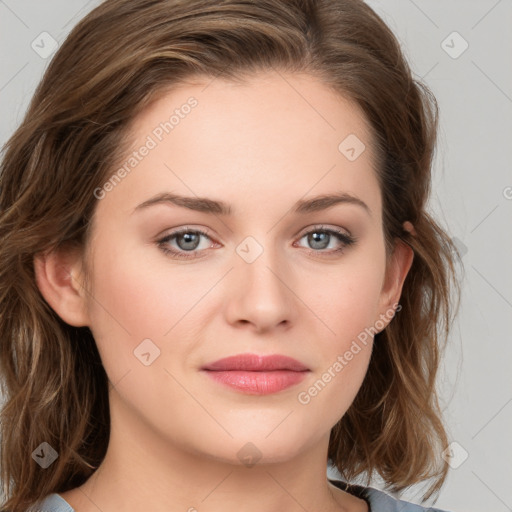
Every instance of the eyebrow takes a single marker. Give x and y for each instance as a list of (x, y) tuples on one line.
[(205, 205)]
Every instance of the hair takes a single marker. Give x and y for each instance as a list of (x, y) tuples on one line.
[(125, 54)]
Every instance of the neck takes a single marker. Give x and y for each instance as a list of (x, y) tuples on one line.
[(144, 470)]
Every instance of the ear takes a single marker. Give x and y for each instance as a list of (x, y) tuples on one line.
[(398, 267), (58, 277)]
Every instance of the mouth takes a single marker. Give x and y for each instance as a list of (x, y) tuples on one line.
[(257, 375)]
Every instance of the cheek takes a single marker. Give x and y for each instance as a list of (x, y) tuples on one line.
[(345, 297), (134, 299), (346, 300), (343, 346), (142, 290)]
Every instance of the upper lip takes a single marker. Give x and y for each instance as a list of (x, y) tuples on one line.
[(256, 363)]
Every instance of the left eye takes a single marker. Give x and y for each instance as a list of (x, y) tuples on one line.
[(187, 241), (319, 236)]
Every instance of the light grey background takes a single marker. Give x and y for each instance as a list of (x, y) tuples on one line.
[(472, 198)]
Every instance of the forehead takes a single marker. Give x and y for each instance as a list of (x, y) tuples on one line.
[(273, 136)]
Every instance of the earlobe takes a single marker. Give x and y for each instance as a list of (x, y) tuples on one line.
[(58, 279)]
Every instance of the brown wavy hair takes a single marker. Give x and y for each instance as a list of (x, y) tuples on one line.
[(119, 58)]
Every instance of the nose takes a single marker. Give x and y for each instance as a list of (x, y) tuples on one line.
[(259, 295)]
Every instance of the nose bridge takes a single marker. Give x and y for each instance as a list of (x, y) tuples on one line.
[(258, 264)]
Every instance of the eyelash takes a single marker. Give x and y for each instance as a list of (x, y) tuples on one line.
[(346, 240)]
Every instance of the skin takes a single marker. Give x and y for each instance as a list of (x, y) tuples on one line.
[(259, 147)]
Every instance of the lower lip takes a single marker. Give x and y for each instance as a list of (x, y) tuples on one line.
[(258, 383)]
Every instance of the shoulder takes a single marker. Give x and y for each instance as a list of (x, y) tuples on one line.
[(384, 502), (381, 501), (51, 503)]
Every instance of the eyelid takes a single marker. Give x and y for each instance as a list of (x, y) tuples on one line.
[(184, 229), (208, 233), (324, 227)]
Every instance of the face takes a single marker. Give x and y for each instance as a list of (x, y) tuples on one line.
[(268, 277)]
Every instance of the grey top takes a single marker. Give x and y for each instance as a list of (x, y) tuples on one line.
[(378, 501)]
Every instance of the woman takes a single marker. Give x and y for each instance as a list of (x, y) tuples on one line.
[(218, 270)]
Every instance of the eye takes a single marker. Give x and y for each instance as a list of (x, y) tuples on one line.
[(187, 241), (320, 238)]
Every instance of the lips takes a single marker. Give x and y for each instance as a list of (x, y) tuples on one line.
[(255, 363), (256, 375)]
